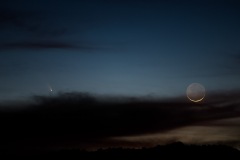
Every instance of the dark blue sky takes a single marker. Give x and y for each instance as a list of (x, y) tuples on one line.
[(118, 47)]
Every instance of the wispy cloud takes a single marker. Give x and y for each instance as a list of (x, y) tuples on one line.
[(29, 21), (42, 30), (36, 45), (48, 45)]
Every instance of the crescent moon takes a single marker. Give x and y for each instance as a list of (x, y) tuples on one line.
[(195, 92), (199, 100)]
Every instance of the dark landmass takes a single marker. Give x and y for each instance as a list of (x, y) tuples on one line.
[(77, 120), (174, 150)]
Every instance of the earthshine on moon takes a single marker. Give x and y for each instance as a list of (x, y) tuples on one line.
[(195, 92)]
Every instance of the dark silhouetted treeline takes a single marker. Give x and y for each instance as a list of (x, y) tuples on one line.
[(174, 150)]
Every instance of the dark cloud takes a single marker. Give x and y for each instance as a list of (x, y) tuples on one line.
[(82, 119), (41, 30), (47, 45), (14, 18), (231, 64), (30, 22), (236, 58), (37, 28)]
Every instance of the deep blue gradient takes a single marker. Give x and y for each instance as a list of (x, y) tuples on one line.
[(118, 47)]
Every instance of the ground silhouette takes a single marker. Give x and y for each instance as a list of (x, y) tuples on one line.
[(174, 150), (78, 119)]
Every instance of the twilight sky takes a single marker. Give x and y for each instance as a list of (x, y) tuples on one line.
[(85, 50), (118, 47)]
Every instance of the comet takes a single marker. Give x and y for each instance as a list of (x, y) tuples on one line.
[(50, 88)]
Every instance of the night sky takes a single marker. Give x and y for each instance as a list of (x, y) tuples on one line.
[(149, 50)]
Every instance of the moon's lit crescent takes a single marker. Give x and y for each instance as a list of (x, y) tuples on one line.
[(199, 100)]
